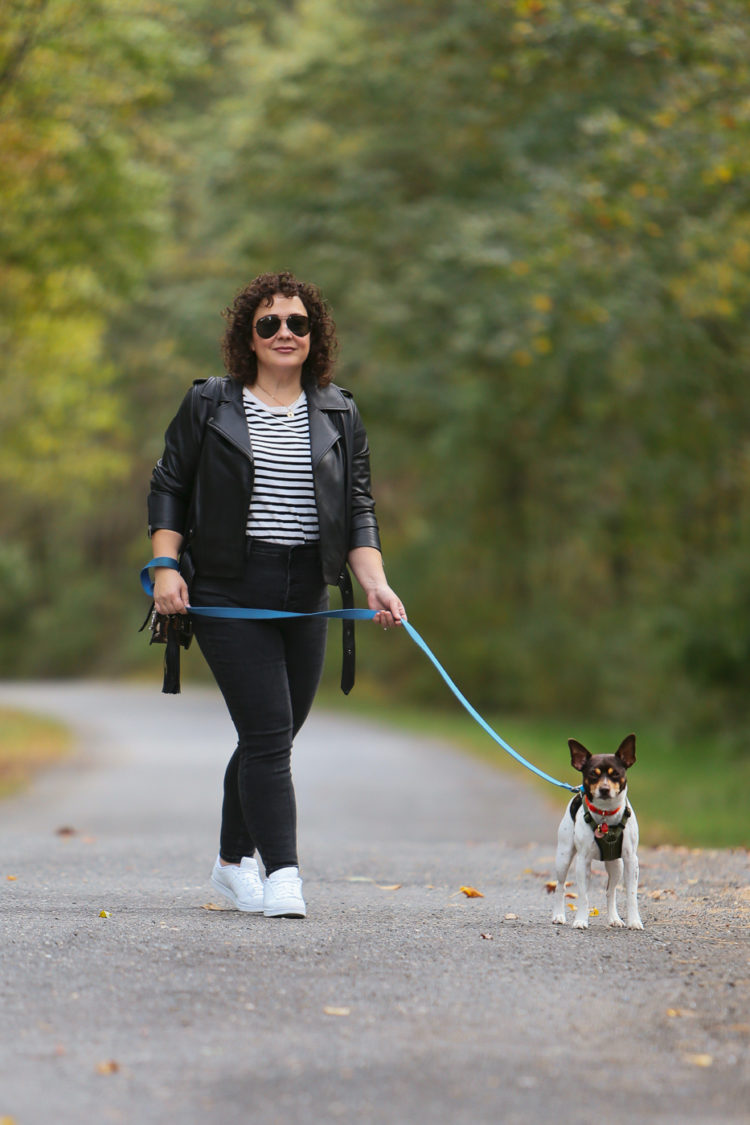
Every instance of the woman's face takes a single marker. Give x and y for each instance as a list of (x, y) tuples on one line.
[(284, 353)]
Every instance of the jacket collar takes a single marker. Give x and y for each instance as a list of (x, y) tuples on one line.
[(229, 415)]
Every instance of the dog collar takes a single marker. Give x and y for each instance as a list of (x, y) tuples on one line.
[(601, 812)]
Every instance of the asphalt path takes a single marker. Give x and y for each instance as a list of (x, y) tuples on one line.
[(127, 996)]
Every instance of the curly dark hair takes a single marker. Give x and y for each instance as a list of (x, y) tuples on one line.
[(240, 360)]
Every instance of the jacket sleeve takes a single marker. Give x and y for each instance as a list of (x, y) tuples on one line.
[(364, 524), (174, 473)]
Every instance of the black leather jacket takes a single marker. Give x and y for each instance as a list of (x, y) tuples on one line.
[(202, 484)]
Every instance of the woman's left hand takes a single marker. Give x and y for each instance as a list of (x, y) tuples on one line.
[(388, 605)]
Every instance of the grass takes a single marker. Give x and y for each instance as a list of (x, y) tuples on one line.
[(692, 794), (28, 744)]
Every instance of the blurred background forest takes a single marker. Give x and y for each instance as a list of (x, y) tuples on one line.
[(532, 220)]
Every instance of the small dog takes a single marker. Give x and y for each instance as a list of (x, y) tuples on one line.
[(600, 824)]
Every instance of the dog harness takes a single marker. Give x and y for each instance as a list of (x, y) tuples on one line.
[(608, 836)]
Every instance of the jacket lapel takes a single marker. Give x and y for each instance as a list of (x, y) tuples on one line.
[(324, 433), (229, 416)]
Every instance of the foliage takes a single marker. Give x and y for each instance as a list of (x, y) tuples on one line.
[(531, 218)]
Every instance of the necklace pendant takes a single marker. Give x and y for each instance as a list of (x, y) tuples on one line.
[(290, 413)]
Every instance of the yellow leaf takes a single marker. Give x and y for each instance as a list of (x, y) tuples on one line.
[(329, 1011), (108, 1067), (11, 878), (104, 914), (593, 912), (699, 1060), (571, 894), (388, 886), (571, 906), (510, 917), (471, 892), (542, 302)]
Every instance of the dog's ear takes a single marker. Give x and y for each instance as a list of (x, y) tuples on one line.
[(579, 755), (626, 751)]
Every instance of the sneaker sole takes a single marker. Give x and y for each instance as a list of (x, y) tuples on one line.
[(233, 898), (291, 911)]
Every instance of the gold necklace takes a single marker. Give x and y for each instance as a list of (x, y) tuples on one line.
[(288, 406)]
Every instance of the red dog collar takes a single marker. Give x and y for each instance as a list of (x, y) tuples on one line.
[(600, 812)]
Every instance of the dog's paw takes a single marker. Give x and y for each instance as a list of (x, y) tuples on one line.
[(616, 922), (581, 924), (635, 924), (558, 919)]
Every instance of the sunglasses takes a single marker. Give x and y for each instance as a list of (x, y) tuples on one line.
[(268, 326)]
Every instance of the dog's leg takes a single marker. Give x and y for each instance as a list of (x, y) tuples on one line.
[(562, 864), (614, 878), (631, 893), (583, 875)]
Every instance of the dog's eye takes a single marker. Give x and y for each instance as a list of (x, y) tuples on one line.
[(597, 773), (611, 772)]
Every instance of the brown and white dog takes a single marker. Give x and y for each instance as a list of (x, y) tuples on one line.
[(600, 824)]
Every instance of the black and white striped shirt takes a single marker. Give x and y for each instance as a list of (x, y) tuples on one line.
[(282, 508)]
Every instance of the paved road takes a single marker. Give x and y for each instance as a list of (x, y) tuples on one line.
[(398, 999)]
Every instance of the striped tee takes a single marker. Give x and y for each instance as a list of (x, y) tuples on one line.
[(282, 507)]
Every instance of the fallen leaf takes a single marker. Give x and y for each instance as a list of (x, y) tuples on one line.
[(329, 1011), (66, 830), (681, 1013), (571, 906), (11, 878), (511, 917), (699, 1060), (7, 1121), (108, 1067), (487, 937), (388, 886), (661, 893), (104, 914), (551, 887), (593, 912), (359, 879), (471, 892), (211, 906), (571, 894)]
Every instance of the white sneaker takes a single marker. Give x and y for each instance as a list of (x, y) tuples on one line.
[(242, 885), (282, 894)]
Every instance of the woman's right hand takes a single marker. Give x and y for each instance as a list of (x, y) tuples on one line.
[(170, 591)]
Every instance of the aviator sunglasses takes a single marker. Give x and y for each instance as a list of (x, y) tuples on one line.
[(268, 326)]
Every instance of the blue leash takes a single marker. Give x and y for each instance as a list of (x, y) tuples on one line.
[(352, 615)]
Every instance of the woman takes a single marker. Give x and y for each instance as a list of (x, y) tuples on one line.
[(263, 494)]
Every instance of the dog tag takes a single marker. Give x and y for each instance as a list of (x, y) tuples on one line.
[(601, 831)]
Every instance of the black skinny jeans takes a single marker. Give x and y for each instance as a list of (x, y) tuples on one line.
[(268, 673)]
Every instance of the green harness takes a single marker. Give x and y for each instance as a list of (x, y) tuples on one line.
[(609, 842)]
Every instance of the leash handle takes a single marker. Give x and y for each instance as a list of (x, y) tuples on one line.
[(246, 614), (146, 582)]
